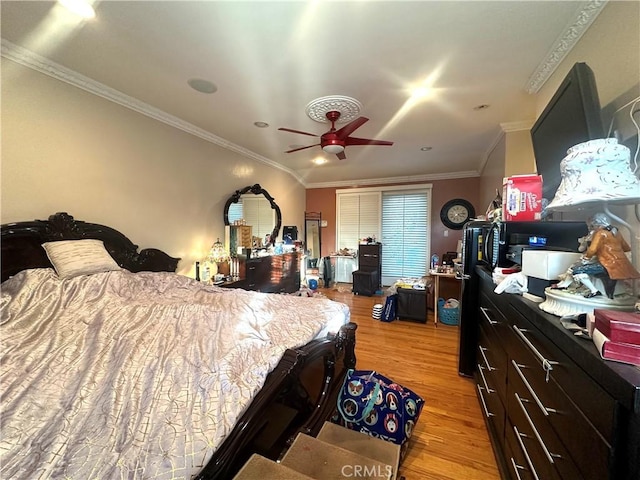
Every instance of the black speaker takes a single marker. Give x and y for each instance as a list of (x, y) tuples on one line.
[(290, 231)]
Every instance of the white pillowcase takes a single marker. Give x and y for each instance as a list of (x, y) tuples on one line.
[(71, 258)]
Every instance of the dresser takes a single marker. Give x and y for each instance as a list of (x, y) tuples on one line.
[(366, 280), (238, 236), (269, 274), (554, 409)]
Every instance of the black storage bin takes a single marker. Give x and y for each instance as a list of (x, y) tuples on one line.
[(365, 282), (412, 304)]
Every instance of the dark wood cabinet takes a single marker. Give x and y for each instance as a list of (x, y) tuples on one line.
[(269, 274), (554, 409), (368, 277)]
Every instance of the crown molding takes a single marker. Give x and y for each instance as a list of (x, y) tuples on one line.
[(394, 180), (41, 64), (517, 126), (585, 15), (491, 148)]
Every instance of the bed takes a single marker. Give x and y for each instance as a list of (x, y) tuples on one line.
[(137, 372)]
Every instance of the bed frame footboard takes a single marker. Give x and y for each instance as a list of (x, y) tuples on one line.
[(299, 395)]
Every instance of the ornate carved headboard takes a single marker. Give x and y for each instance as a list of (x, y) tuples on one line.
[(21, 244)]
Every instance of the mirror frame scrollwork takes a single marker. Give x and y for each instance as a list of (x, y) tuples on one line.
[(256, 190)]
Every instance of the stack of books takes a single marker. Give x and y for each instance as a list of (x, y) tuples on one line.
[(617, 335)]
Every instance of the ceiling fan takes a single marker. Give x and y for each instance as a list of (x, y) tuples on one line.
[(334, 141)]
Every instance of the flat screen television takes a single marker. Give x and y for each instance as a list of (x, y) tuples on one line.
[(572, 116)]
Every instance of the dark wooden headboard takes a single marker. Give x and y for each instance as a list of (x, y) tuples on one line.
[(21, 244)]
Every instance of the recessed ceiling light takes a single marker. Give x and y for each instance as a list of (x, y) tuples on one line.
[(79, 7), (202, 86), (426, 149), (261, 124), (320, 160), (484, 106)]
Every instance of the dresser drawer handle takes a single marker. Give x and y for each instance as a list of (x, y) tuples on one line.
[(544, 409), (526, 454), (547, 453), (484, 311), (517, 467), (486, 362), (484, 404), (484, 380), (547, 365)]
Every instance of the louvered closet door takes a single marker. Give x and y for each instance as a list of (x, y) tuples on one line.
[(358, 218)]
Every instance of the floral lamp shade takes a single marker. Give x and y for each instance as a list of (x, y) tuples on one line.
[(217, 254)]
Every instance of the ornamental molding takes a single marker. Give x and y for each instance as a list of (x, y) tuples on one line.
[(396, 180), (41, 64), (348, 107), (585, 16)]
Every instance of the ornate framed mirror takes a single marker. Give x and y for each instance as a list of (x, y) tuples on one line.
[(257, 208)]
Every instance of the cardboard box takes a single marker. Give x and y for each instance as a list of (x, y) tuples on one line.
[(617, 326), (522, 198), (547, 264)]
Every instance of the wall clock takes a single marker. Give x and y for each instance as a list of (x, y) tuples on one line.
[(455, 213)]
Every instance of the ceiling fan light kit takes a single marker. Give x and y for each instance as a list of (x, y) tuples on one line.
[(334, 149), (335, 140)]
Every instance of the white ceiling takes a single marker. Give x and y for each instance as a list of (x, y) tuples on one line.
[(269, 59)]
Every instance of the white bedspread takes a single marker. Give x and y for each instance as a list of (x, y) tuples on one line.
[(119, 375)]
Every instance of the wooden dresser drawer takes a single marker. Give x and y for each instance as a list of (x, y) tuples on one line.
[(494, 359), (369, 256), (491, 315), (562, 428), (549, 457), (541, 374), (519, 464), (590, 398), (492, 407)]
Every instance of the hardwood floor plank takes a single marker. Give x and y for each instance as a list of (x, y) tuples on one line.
[(450, 440)]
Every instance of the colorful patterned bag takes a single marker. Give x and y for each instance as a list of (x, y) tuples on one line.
[(373, 404)]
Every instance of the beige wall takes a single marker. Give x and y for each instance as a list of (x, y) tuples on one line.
[(64, 149), (519, 154), (493, 173), (512, 154)]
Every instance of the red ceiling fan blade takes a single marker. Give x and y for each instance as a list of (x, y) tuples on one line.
[(365, 141), (302, 148), (349, 128), (298, 131), (341, 156)]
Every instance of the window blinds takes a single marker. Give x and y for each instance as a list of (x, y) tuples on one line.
[(404, 235)]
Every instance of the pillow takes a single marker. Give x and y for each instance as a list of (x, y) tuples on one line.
[(71, 258)]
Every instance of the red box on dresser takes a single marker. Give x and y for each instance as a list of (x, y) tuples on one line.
[(621, 352), (618, 327)]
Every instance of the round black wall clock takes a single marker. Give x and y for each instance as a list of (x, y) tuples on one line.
[(455, 213)]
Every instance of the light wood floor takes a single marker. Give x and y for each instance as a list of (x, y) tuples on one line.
[(450, 440)]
